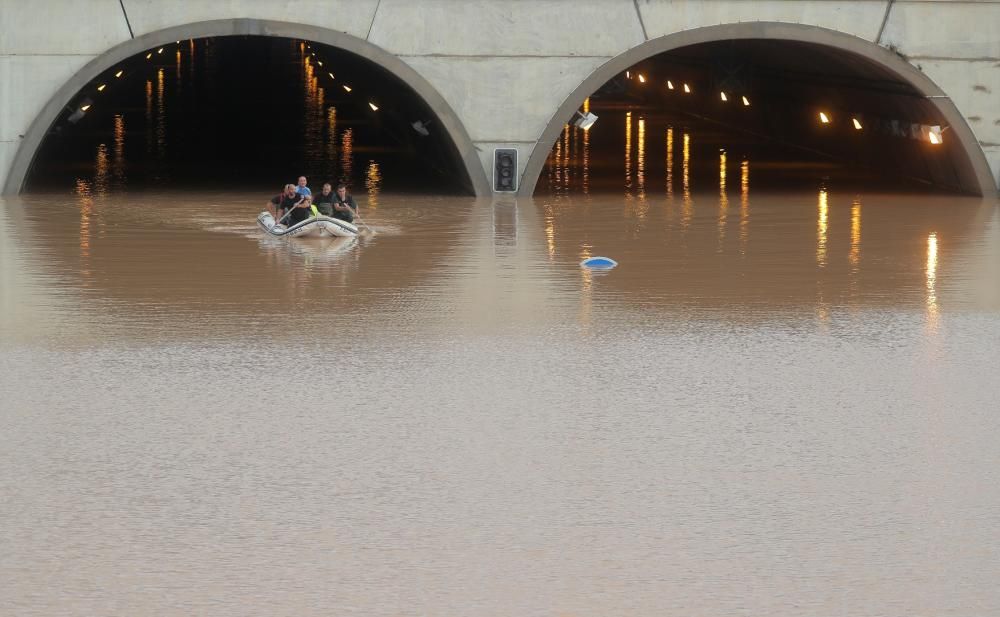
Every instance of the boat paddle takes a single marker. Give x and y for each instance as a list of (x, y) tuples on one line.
[(358, 216), (287, 212)]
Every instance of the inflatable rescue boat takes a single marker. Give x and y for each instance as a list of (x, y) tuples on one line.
[(313, 227)]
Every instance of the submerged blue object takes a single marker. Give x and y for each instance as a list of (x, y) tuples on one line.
[(599, 263)]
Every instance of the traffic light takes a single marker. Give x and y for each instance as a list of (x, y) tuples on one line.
[(505, 170)]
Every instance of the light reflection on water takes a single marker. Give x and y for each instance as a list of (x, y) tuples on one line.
[(451, 417)]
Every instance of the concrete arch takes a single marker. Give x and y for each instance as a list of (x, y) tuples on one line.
[(979, 169), (446, 116)]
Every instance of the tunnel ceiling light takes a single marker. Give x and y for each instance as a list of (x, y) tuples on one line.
[(319, 62), (119, 73), (331, 75), (101, 87), (824, 118), (149, 55), (346, 87), (585, 120), (670, 85), (642, 78), (934, 134), (746, 102), (722, 95), (85, 107), (628, 75), (178, 42), (857, 123), (373, 106), (687, 89), (159, 51)]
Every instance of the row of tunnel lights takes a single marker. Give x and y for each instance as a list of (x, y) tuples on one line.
[(86, 104), (933, 132), (347, 88)]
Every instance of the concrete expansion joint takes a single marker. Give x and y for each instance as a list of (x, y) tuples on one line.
[(368, 37), (642, 24)]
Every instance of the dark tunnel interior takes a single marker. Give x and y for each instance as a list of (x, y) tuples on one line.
[(247, 112), (800, 113)]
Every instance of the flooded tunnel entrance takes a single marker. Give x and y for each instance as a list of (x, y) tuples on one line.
[(798, 113), (756, 172), (247, 112)]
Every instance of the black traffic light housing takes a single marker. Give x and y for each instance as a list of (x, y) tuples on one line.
[(505, 170)]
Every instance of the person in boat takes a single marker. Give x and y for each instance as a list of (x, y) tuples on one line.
[(323, 201), (344, 207), (287, 201), (302, 189)]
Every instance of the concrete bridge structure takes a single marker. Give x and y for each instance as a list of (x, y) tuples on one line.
[(505, 73)]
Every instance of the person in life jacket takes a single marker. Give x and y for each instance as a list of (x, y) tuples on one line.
[(323, 201)]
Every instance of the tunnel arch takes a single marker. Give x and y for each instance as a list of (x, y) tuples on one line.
[(446, 116), (976, 168)]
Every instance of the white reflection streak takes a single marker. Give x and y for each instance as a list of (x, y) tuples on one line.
[(931, 283), (586, 162), (565, 161), (723, 200), (628, 154), (854, 257), (556, 167), (670, 163), (101, 170), (821, 219), (586, 151), (161, 117), (149, 116), (550, 233), (373, 183), (685, 181), (744, 205), (118, 166), (641, 164)]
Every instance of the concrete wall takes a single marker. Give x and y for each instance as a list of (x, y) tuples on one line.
[(504, 69)]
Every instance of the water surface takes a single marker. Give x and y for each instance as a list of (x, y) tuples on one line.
[(778, 403)]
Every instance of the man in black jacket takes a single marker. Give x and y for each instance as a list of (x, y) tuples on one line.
[(344, 207), (289, 200)]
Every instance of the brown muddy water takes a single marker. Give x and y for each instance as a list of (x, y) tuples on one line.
[(777, 404)]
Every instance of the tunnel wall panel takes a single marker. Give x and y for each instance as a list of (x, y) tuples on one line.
[(490, 28), (28, 83), (860, 18), (67, 27), (353, 17), (489, 107), (975, 89), (944, 29)]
